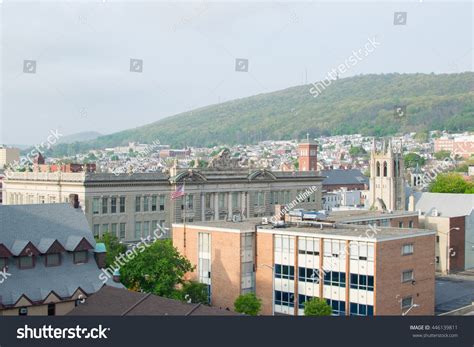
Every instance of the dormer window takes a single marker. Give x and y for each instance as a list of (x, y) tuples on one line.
[(26, 262), (53, 259), (80, 257)]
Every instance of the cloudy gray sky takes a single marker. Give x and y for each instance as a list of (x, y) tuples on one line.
[(83, 50)]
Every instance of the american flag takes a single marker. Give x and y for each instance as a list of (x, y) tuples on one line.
[(178, 192)]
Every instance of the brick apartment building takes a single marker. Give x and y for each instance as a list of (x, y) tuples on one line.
[(358, 270)]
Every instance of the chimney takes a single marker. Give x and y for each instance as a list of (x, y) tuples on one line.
[(116, 276), (74, 200), (411, 203), (99, 254)]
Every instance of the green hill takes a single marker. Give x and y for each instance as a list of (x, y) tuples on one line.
[(361, 104)]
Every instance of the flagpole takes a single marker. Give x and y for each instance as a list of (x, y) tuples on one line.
[(185, 209)]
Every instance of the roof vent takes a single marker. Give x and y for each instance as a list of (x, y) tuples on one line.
[(236, 218)]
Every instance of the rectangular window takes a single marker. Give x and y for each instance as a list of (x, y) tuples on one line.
[(26, 262), (190, 201), (410, 224), (285, 271), (105, 207), (122, 230), (362, 282), (284, 298), (335, 278), (235, 199), (53, 259), (113, 229), (154, 201), (361, 309), (407, 276), (400, 224), (308, 275), (338, 307), (154, 225), (138, 230), (162, 202), (407, 249), (146, 229), (221, 200), (51, 309), (96, 229), (208, 200), (145, 203), (105, 229), (407, 302), (80, 257), (95, 205), (122, 204), (113, 205), (138, 204)]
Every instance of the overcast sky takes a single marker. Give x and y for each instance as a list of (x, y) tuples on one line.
[(83, 50)]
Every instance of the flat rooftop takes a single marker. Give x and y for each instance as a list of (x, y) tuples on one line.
[(246, 225), (355, 215), (317, 229), (346, 231)]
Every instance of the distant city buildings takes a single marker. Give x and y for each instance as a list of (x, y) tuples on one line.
[(8, 155), (461, 145)]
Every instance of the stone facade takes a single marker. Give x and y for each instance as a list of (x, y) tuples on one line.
[(143, 200)]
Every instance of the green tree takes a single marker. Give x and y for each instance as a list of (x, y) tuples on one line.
[(317, 307), (442, 155), (194, 292), (422, 137), (248, 304), (113, 246), (157, 269), (357, 151), (450, 183), (411, 159)]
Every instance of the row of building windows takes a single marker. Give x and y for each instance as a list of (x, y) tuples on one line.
[(117, 229), (53, 259), (101, 205), (150, 203), (338, 307)]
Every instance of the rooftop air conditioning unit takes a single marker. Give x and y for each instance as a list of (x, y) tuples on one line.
[(264, 220), (236, 218), (435, 213)]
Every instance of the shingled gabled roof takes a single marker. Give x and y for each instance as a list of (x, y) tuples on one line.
[(41, 224), (27, 230), (122, 302)]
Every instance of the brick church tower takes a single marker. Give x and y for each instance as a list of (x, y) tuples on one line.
[(308, 155)]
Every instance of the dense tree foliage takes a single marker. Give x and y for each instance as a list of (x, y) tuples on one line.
[(248, 304), (357, 151), (194, 292), (451, 183), (412, 159), (158, 269), (442, 155), (317, 307), (360, 104)]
